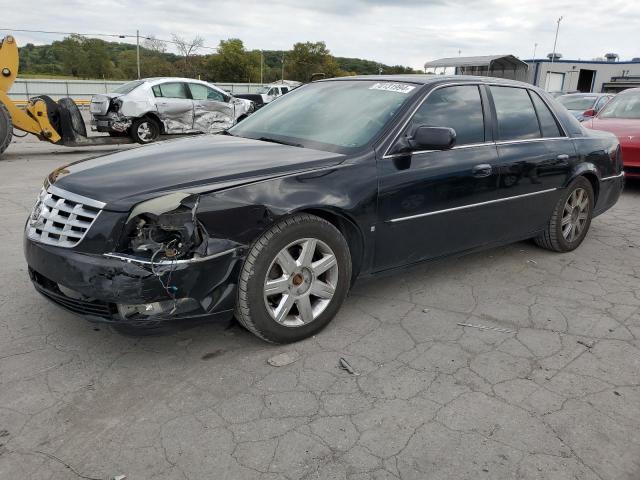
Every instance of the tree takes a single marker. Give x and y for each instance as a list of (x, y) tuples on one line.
[(233, 63), (98, 63), (308, 58), (188, 48), (155, 45), (71, 54)]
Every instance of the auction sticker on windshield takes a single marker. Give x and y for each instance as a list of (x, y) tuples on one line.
[(392, 87)]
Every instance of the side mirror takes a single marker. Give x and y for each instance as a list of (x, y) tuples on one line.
[(589, 113), (432, 138)]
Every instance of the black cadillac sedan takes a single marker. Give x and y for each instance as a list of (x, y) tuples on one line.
[(276, 218)]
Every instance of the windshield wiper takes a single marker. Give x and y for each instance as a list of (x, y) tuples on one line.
[(281, 142)]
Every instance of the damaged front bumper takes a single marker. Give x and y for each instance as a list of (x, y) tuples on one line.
[(111, 122), (120, 289)]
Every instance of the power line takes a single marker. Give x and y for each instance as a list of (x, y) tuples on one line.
[(110, 35)]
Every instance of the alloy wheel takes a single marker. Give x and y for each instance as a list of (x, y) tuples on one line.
[(575, 214), (145, 132), (300, 282)]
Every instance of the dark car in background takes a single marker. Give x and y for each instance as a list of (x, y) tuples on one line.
[(584, 105), (621, 116), (339, 179)]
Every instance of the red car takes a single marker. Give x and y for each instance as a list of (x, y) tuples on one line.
[(621, 116)]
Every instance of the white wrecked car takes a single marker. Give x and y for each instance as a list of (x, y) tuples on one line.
[(146, 108)]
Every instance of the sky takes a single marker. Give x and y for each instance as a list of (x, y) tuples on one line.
[(405, 32)]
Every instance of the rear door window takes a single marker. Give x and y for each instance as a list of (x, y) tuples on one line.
[(457, 107), (516, 116), (548, 123), (171, 90)]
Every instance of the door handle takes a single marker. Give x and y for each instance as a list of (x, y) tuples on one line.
[(482, 170), (563, 156)]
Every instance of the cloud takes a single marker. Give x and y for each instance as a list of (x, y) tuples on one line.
[(407, 32)]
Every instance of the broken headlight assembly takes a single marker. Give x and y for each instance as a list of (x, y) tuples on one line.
[(165, 229), (115, 105)]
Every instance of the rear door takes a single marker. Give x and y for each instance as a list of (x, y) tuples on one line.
[(534, 157), (212, 111), (432, 203), (175, 107)]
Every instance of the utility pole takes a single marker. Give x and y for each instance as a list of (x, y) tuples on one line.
[(535, 47), (555, 41), (553, 54), (261, 65), (138, 51), (282, 77)]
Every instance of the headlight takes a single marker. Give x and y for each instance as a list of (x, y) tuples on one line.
[(165, 228), (116, 104)]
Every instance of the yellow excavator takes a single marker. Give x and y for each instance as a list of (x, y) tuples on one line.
[(56, 122)]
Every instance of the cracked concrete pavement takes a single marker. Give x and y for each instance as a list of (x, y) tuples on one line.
[(557, 399)]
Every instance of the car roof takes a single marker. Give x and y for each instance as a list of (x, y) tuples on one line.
[(629, 90), (156, 80), (585, 94), (426, 79)]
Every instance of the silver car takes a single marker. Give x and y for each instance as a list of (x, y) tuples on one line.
[(584, 105), (146, 108)]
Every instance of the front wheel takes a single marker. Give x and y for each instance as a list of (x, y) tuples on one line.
[(145, 130), (571, 218), (294, 280)]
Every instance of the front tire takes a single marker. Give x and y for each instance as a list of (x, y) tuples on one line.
[(145, 130), (571, 218), (294, 279)]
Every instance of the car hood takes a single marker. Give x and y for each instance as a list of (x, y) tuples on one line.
[(196, 164), (627, 130)]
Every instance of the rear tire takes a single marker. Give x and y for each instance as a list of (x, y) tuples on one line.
[(6, 128), (294, 279), (145, 130), (571, 218)]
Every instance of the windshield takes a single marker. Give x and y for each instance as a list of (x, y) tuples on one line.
[(127, 87), (335, 116), (622, 106), (577, 102), (264, 90)]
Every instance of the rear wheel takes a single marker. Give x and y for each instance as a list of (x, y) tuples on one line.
[(294, 279), (571, 218), (145, 130), (6, 128)]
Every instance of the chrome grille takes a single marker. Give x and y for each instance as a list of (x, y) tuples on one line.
[(62, 218)]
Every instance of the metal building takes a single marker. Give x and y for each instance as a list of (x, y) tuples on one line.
[(502, 66), (563, 75)]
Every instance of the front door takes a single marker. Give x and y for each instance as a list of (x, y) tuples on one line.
[(434, 203), (175, 107), (212, 112)]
